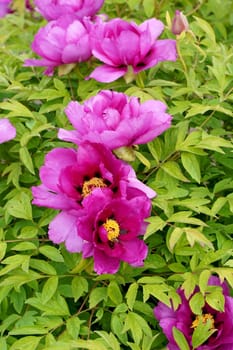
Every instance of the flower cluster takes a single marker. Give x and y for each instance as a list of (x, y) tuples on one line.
[(103, 206), (220, 323), (75, 33)]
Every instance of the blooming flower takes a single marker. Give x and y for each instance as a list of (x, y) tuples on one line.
[(110, 230), (53, 9), (61, 41), (179, 23), (69, 176), (7, 130), (127, 48), (4, 7), (184, 320), (114, 119)]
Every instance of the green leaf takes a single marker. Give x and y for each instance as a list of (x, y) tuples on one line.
[(49, 288), (3, 344), (73, 327), (155, 224), (3, 247), (174, 237), (203, 280), (42, 266), (16, 109), (20, 206), (216, 300), (79, 286), (195, 236), (191, 165), (149, 7), (196, 303), (114, 293), (26, 159), (131, 295), (51, 253), (28, 330), (201, 333), (137, 326), (180, 339), (109, 339), (26, 343), (97, 295), (173, 169)]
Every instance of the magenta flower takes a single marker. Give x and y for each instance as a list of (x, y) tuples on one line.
[(7, 131), (69, 176), (114, 119), (62, 41), (127, 48), (53, 9), (184, 320), (4, 7), (110, 230)]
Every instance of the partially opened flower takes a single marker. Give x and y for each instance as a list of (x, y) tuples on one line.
[(69, 176), (110, 230), (127, 48), (221, 323), (5, 7), (7, 130), (114, 119), (62, 41), (53, 9), (179, 23)]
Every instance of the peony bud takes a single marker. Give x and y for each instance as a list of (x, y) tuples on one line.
[(179, 23)]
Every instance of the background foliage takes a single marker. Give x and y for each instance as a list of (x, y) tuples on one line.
[(51, 299)]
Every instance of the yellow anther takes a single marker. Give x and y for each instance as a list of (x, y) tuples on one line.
[(112, 228), (203, 319), (91, 184)]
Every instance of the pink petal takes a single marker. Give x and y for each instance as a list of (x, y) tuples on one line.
[(63, 228), (7, 130), (107, 74)]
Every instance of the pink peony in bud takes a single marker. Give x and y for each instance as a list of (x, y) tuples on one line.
[(221, 323), (179, 23), (69, 176), (62, 41), (7, 131), (116, 120), (110, 229), (53, 9), (127, 48), (4, 7)]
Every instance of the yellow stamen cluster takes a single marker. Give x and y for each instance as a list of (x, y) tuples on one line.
[(203, 319), (112, 228), (89, 185)]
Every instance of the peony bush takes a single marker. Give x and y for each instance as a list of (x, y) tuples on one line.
[(116, 175)]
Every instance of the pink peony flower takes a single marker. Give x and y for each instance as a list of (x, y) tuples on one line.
[(4, 7), (110, 230), (53, 9), (184, 320), (114, 119), (7, 131), (179, 23), (127, 48), (62, 41), (69, 176)]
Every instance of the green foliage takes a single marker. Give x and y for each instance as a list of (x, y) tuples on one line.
[(51, 299)]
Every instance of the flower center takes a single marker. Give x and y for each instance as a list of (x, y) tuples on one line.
[(112, 228), (90, 185), (203, 319)]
